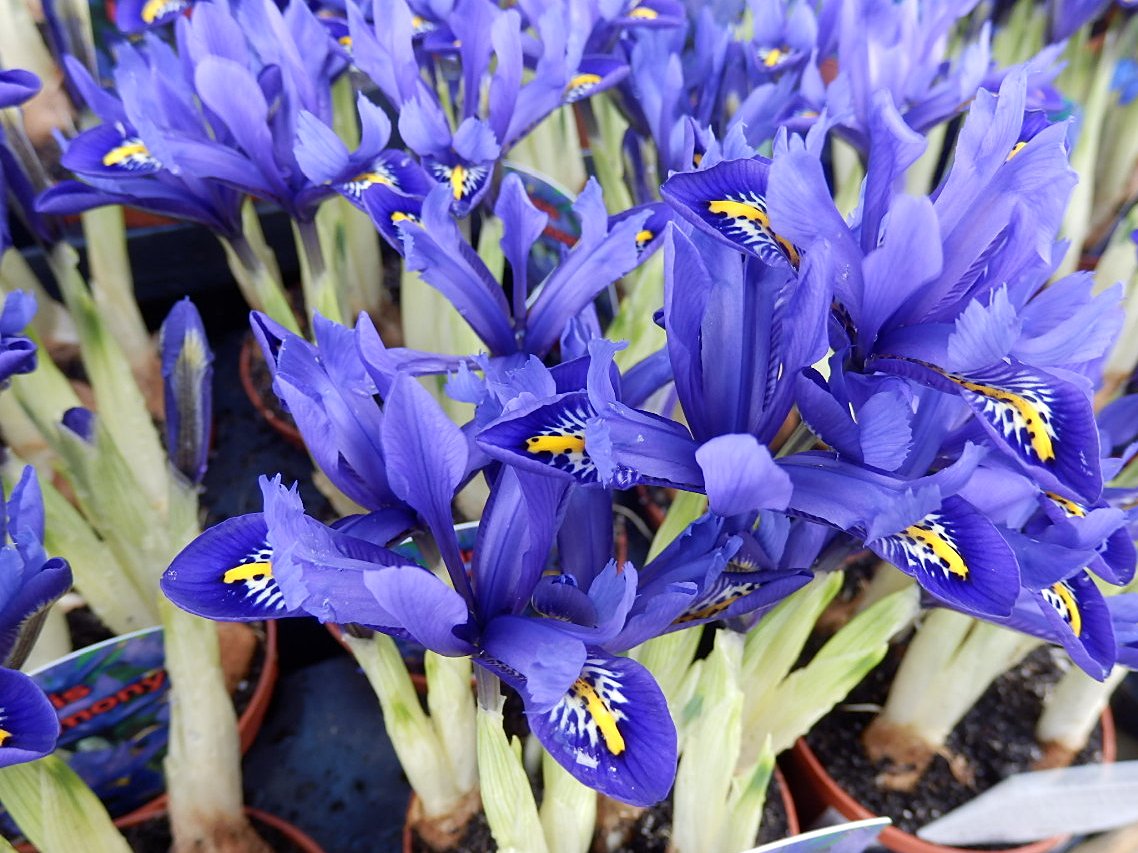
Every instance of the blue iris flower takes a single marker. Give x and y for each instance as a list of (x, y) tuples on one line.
[(30, 582)]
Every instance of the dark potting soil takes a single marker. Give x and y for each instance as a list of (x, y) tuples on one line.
[(653, 832), (153, 836), (86, 628), (476, 839), (245, 447), (996, 738)]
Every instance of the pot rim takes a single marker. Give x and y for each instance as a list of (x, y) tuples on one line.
[(834, 795), (294, 833)]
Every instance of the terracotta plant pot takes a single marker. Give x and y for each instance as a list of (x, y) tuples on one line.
[(808, 770), (292, 833), (249, 723), (247, 366), (793, 827)]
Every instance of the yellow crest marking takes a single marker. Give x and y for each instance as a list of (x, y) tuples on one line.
[(582, 80), (954, 563), (248, 572), (707, 612), (124, 152), (742, 210), (345, 41), (4, 736), (1018, 147), (1071, 508), (643, 238), (400, 216), (644, 14), (1068, 599), (457, 181), (614, 740), (151, 11), (555, 444), (1037, 432), (371, 178), (773, 57)]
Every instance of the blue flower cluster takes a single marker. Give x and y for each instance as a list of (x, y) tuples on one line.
[(904, 377)]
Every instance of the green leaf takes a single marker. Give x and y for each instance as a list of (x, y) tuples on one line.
[(56, 810), (809, 693), (568, 809), (745, 807), (422, 755), (710, 743), (506, 794), (121, 406)]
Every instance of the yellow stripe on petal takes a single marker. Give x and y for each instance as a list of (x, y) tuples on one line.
[(457, 181), (943, 550), (1062, 600), (1018, 147), (1072, 509), (1029, 418), (643, 13), (127, 151), (556, 444), (248, 572), (643, 238), (4, 736), (773, 57), (739, 210), (155, 9), (599, 711)]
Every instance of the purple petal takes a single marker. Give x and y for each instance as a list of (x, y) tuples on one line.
[(226, 573), (612, 731), (958, 556), (27, 720), (423, 606), (740, 476), (543, 659)]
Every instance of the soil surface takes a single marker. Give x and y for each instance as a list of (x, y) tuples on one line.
[(996, 738), (476, 839), (654, 829), (153, 836), (652, 834), (86, 628)]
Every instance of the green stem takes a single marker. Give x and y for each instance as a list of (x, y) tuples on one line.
[(317, 279), (1074, 707), (254, 267), (949, 664), (112, 288), (411, 731), (1080, 210), (507, 797), (203, 762)]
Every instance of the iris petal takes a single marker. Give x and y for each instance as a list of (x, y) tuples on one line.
[(1038, 418), (29, 726), (1077, 613), (227, 573), (959, 556), (729, 201), (612, 731)]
